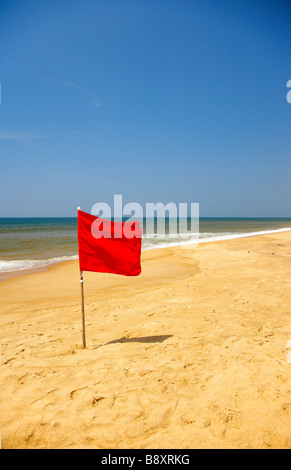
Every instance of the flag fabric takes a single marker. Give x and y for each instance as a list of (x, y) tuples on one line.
[(109, 247)]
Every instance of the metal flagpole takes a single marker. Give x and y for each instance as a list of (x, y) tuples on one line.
[(82, 305)]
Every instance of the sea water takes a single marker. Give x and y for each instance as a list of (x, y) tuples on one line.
[(27, 243)]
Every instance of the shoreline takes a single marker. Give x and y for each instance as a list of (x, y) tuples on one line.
[(4, 275), (190, 354)]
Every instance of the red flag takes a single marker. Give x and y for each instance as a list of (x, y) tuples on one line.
[(109, 247)]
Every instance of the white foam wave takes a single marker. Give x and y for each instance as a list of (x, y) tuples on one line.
[(22, 264), (213, 237)]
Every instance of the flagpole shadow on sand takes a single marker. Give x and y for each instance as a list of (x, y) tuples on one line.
[(142, 339)]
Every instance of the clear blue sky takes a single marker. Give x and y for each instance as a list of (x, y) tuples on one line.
[(160, 101)]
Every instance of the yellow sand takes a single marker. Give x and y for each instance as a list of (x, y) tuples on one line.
[(191, 354)]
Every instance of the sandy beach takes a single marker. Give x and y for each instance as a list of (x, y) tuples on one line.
[(191, 354)]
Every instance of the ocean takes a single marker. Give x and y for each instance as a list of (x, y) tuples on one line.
[(27, 243)]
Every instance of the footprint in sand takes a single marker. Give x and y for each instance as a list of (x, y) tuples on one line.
[(288, 346)]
